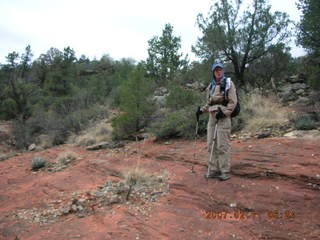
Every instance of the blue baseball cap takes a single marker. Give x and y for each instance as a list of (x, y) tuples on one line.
[(215, 65)]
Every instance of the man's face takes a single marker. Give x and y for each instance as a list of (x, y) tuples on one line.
[(218, 73)]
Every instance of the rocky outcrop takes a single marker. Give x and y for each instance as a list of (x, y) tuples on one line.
[(294, 89), (160, 96)]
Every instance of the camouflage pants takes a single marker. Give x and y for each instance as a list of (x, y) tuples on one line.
[(220, 160)]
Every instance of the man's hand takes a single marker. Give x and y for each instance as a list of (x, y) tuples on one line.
[(198, 113), (220, 114)]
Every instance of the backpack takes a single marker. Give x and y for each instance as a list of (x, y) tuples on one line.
[(236, 110)]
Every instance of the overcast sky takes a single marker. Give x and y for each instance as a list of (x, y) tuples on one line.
[(120, 28)]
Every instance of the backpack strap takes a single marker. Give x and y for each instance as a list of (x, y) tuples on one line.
[(225, 86)]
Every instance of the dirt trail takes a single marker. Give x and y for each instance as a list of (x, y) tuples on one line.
[(273, 193)]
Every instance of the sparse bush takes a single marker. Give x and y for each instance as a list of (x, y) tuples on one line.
[(21, 133), (304, 122), (58, 127), (37, 163), (65, 158), (138, 176)]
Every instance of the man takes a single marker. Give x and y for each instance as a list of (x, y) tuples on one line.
[(222, 100)]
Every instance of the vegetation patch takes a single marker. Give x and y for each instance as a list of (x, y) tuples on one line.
[(63, 161), (38, 163), (97, 133), (137, 190), (260, 112), (304, 122)]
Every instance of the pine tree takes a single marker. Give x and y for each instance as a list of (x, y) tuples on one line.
[(135, 104)]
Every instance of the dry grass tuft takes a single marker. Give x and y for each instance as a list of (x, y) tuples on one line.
[(138, 176), (261, 112), (98, 133), (67, 157)]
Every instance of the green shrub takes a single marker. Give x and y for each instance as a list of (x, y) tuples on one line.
[(304, 122), (314, 77), (180, 98), (181, 123), (123, 126), (37, 163)]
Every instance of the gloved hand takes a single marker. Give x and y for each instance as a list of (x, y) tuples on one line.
[(198, 113), (220, 114)]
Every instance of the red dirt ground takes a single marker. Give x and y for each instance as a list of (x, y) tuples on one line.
[(273, 193)]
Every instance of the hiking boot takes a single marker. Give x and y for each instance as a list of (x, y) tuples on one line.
[(212, 175), (224, 176)]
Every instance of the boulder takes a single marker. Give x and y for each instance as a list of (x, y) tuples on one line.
[(301, 92), (161, 91), (288, 96), (195, 85), (303, 100), (294, 79), (298, 86), (32, 147), (160, 100)]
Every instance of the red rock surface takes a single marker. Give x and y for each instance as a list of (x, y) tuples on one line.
[(274, 189)]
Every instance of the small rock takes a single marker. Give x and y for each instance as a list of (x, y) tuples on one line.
[(32, 147), (264, 133), (74, 208), (80, 208)]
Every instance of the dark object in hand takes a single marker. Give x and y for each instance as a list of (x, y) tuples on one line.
[(198, 113), (220, 114)]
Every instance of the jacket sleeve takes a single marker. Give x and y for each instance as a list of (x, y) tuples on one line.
[(232, 96)]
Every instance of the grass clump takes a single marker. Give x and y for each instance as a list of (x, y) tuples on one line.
[(260, 111), (97, 133), (66, 158), (38, 163), (137, 177)]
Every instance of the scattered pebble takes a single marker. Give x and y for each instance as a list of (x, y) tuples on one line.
[(233, 205)]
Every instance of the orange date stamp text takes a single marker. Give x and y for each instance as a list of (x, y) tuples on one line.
[(244, 215)]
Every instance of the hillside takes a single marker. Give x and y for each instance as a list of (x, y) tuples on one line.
[(273, 193)]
